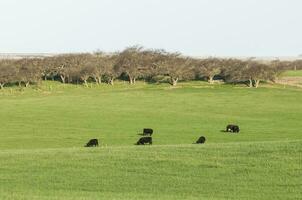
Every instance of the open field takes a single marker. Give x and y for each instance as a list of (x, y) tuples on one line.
[(264, 170), (293, 73), (43, 129), (291, 78)]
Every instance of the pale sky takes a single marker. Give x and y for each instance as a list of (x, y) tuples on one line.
[(193, 27)]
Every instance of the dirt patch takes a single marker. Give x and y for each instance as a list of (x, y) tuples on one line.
[(292, 81)]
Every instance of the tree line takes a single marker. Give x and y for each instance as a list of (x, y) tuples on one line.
[(137, 63)]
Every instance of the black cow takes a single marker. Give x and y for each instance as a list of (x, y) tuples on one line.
[(232, 128), (147, 131), (144, 140), (92, 143), (201, 140)]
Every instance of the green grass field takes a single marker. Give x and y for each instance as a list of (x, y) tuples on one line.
[(292, 73), (44, 129)]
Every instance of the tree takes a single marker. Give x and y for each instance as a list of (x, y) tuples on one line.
[(277, 68), (61, 64), (64, 64), (257, 72), (232, 70), (111, 71), (49, 68), (28, 71), (69, 65), (131, 61), (296, 65), (176, 67), (7, 72), (250, 71), (86, 72), (209, 68), (99, 62), (83, 68)]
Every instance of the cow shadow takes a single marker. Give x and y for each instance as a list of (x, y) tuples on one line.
[(223, 131)]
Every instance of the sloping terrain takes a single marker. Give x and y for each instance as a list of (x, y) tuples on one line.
[(44, 129)]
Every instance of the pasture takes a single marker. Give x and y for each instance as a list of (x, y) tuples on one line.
[(293, 73), (44, 129)]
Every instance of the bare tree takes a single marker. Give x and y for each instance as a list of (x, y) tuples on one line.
[(257, 72), (296, 65), (49, 68), (28, 71), (111, 71), (176, 67), (68, 65), (250, 71), (7, 72), (232, 71), (98, 62), (209, 68), (86, 72), (276, 68), (131, 61)]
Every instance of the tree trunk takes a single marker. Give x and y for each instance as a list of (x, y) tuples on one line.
[(130, 80), (62, 78), (26, 84), (96, 80), (257, 83), (1, 85), (45, 78), (295, 67), (111, 81), (20, 84), (250, 82), (174, 81), (211, 79), (85, 83)]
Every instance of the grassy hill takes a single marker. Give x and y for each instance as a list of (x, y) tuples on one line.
[(44, 128)]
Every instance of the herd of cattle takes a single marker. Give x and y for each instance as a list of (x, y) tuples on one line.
[(147, 139)]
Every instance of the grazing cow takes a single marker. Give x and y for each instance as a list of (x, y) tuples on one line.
[(92, 143), (201, 140), (147, 131), (144, 140), (232, 128)]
